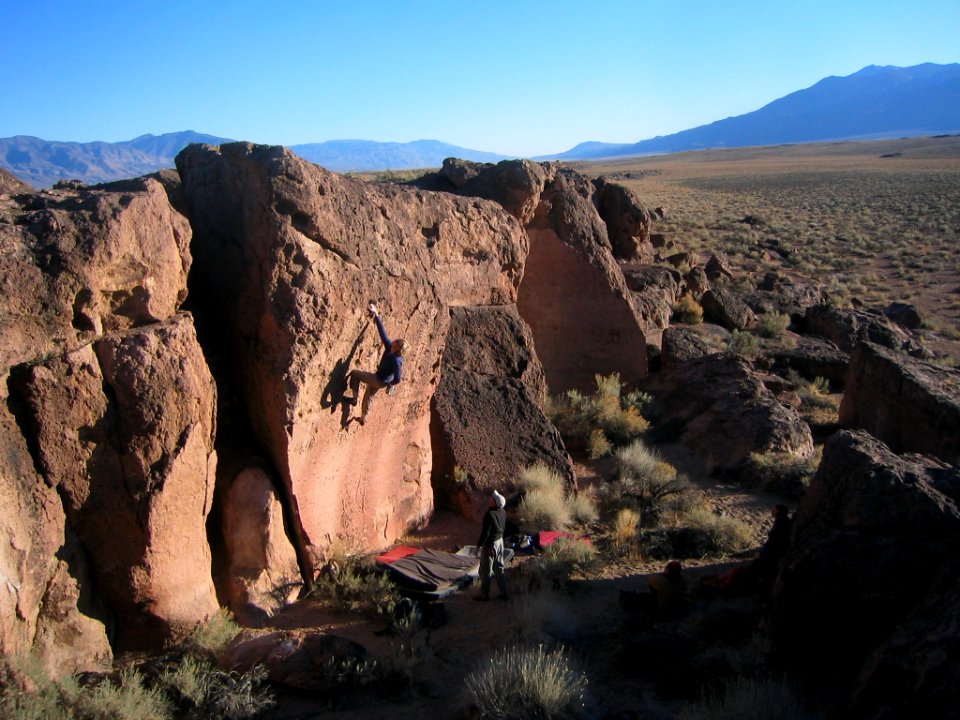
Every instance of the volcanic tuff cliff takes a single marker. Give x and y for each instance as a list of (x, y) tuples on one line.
[(175, 433), (174, 426)]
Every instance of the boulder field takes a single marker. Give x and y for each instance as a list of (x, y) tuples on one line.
[(178, 431), (177, 425)]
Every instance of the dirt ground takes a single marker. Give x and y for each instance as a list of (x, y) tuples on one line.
[(584, 616)]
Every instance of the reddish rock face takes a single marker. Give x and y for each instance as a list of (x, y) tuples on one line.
[(260, 555), (123, 428), (43, 569), (287, 257), (77, 264), (573, 295)]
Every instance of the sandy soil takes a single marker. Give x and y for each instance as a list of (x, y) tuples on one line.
[(584, 616)]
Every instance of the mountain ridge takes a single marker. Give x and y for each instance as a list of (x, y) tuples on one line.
[(874, 102), (919, 100)]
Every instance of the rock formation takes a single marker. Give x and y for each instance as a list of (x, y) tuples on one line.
[(107, 425), (287, 257), (720, 408), (909, 404), (868, 575), (489, 422), (570, 247)]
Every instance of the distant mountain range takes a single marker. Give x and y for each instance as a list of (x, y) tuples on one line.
[(876, 102), (41, 163)]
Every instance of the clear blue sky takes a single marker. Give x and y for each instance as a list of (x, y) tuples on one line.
[(517, 77)]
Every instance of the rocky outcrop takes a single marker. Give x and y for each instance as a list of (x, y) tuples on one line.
[(812, 357), (82, 269), (123, 429), (46, 606), (294, 658), (782, 294), (720, 408), (655, 289), (911, 405), (598, 328), (287, 257), (682, 343), (489, 422), (11, 184), (262, 564), (726, 308), (867, 574), (77, 265), (847, 328), (916, 671), (627, 221)]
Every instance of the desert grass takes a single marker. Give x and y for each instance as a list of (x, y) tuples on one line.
[(600, 422), (212, 636), (547, 504), (748, 697), (527, 682), (874, 221)]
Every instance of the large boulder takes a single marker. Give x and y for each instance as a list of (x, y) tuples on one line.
[(46, 606), (261, 566), (489, 421), (873, 534), (719, 406), (123, 429), (598, 328), (916, 671), (287, 256), (911, 405), (847, 328), (76, 264), (811, 357), (726, 308), (777, 293), (627, 221)]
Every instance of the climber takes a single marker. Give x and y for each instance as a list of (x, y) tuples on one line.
[(388, 371)]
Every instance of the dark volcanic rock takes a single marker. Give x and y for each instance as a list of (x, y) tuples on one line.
[(488, 419), (681, 343), (905, 315), (725, 307), (911, 405), (812, 357), (871, 537), (847, 328), (720, 407), (628, 222)]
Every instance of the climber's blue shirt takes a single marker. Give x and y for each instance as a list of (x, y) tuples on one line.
[(391, 364)]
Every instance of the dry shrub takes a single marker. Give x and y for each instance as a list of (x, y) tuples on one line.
[(213, 636), (723, 534), (626, 524), (745, 697), (527, 682), (783, 474), (687, 311), (546, 504), (773, 324), (647, 484), (357, 584), (596, 422)]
